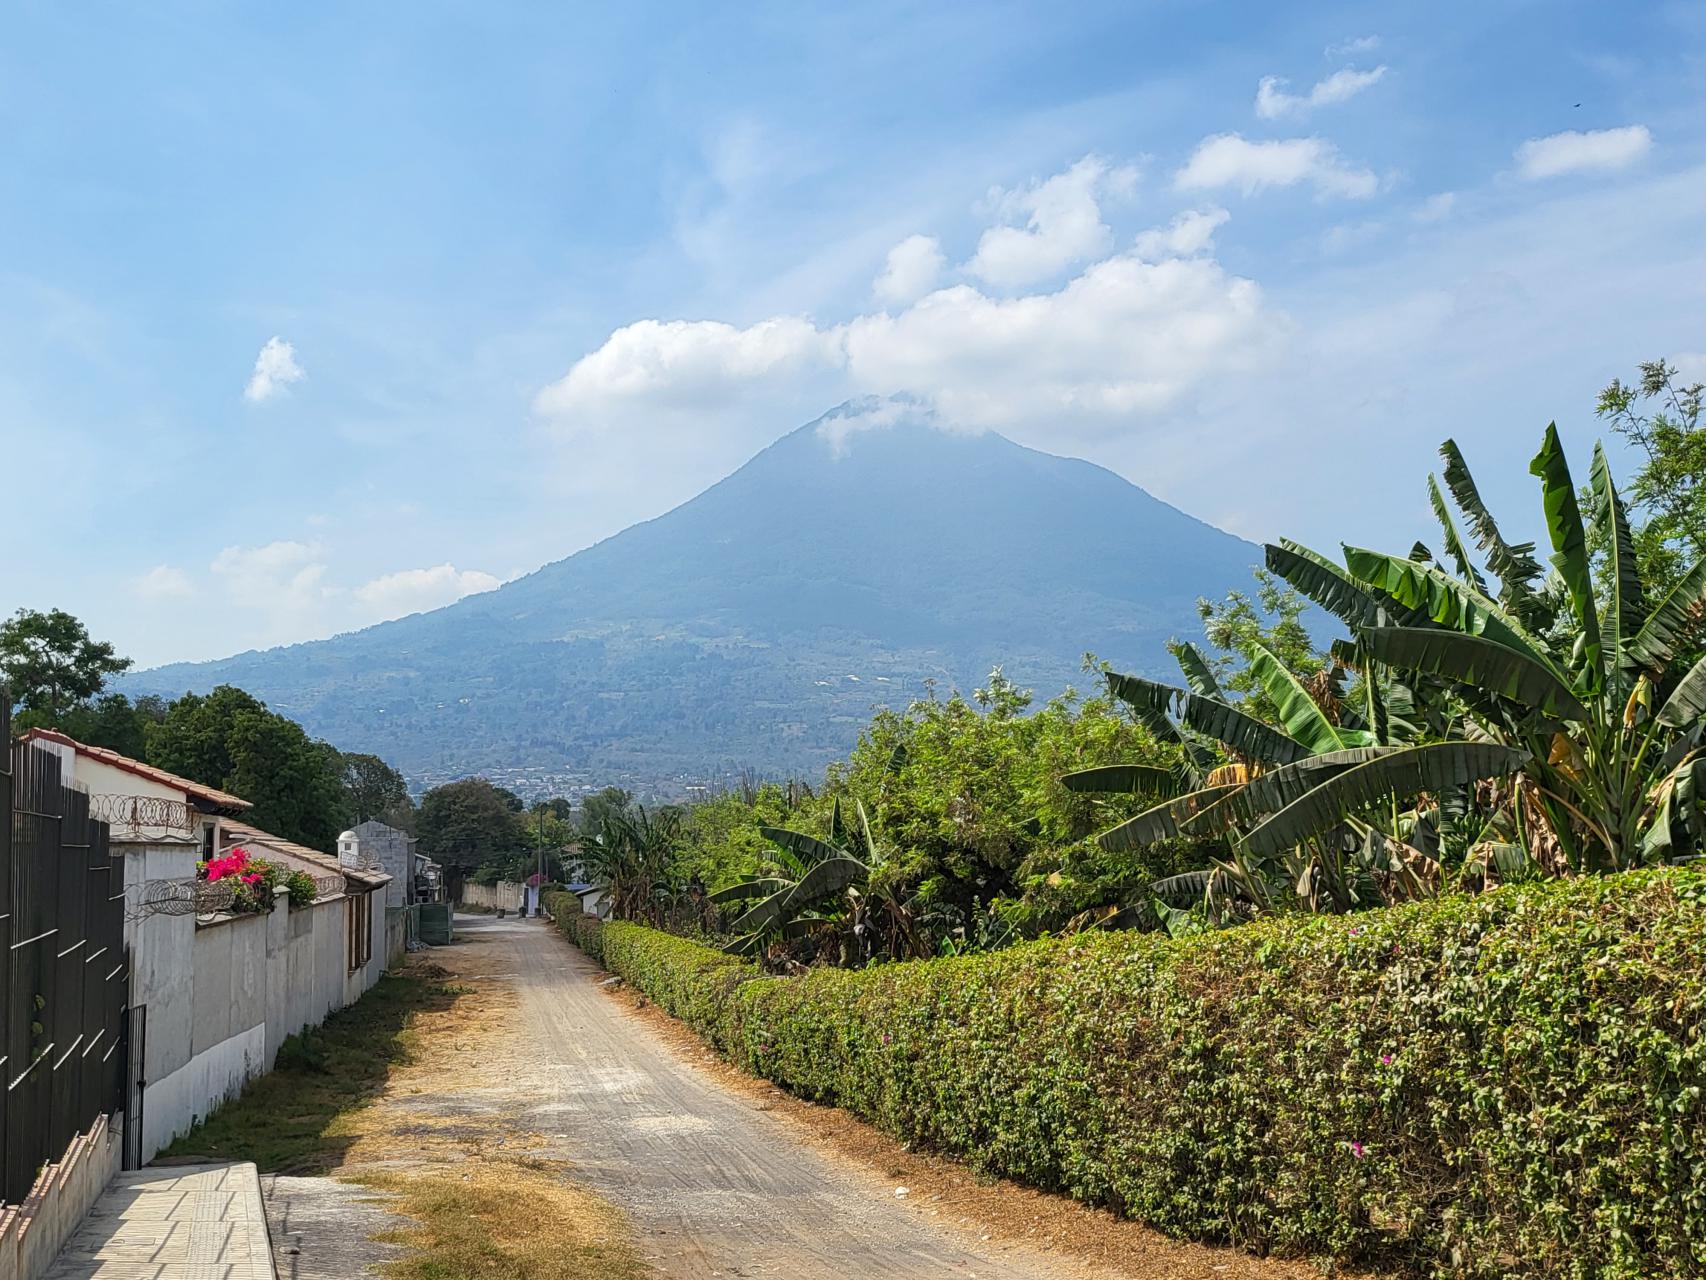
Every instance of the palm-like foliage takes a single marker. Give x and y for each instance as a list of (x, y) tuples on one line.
[(1573, 674), (631, 858), (1309, 805), (818, 886)]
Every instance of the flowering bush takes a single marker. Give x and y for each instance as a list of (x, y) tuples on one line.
[(255, 879)]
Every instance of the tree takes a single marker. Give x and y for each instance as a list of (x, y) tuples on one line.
[(1667, 493), (228, 739), (466, 823), (111, 720), (50, 663), (373, 789)]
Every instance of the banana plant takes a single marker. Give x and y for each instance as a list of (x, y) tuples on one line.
[(817, 885), (1574, 672), (1310, 805)]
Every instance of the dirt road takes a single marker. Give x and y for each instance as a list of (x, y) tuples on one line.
[(716, 1182)]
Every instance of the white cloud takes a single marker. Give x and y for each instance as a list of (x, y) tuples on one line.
[(1272, 100), (275, 369), (871, 413), (163, 583), (1230, 160), (1351, 47), (683, 364), (1124, 339), (1690, 367), (407, 591), (280, 577), (1597, 151), (1436, 208), (912, 269), (1062, 225), (283, 591), (1190, 233)]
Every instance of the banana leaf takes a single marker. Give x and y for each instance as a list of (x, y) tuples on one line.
[(1672, 624), (1570, 555), (808, 849), (1625, 610), (1351, 601), (1453, 540), (1243, 733), (1198, 673), (1162, 821), (1277, 788), (760, 888), (1188, 887), (830, 876), (1302, 716), (1435, 596), (1124, 779), (1405, 773), (1687, 702), (1474, 660), (1513, 564)]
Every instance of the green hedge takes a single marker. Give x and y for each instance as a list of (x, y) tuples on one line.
[(1507, 1084)]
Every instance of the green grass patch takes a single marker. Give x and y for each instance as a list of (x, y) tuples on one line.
[(290, 1120)]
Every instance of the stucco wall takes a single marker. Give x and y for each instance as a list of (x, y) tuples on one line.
[(505, 894), (223, 995)]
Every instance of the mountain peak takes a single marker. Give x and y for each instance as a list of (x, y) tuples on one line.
[(862, 556)]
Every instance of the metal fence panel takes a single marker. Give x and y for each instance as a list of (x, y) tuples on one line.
[(63, 976)]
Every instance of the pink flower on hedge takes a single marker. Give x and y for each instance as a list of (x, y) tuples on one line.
[(1386, 1059), (1356, 1150), (1355, 929), (886, 1037)]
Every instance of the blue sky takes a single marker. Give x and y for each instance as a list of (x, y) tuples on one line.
[(323, 314)]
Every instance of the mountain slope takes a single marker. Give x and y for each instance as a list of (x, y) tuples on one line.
[(758, 623)]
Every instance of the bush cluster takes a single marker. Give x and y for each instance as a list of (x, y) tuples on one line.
[(1504, 1084)]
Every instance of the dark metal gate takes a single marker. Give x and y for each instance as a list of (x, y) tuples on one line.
[(64, 978)]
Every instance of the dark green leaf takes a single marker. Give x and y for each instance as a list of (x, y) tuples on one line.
[(1474, 660), (1406, 772), (1569, 540)]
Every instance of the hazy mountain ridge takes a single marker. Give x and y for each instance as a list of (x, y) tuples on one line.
[(728, 631)]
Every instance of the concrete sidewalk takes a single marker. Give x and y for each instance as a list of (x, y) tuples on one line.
[(181, 1222)]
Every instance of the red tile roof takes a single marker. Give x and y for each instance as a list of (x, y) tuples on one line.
[(242, 832), (211, 795)]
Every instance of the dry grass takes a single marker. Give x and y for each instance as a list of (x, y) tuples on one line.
[(378, 1096), (507, 1222)]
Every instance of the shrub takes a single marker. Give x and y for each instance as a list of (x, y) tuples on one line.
[(301, 888), (1471, 1087)]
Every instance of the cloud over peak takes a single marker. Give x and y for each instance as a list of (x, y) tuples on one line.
[(1125, 337)]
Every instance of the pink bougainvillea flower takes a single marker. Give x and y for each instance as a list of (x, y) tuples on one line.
[(1356, 1150)]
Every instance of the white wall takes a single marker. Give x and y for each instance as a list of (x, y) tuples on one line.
[(222, 996), (505, 894)]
